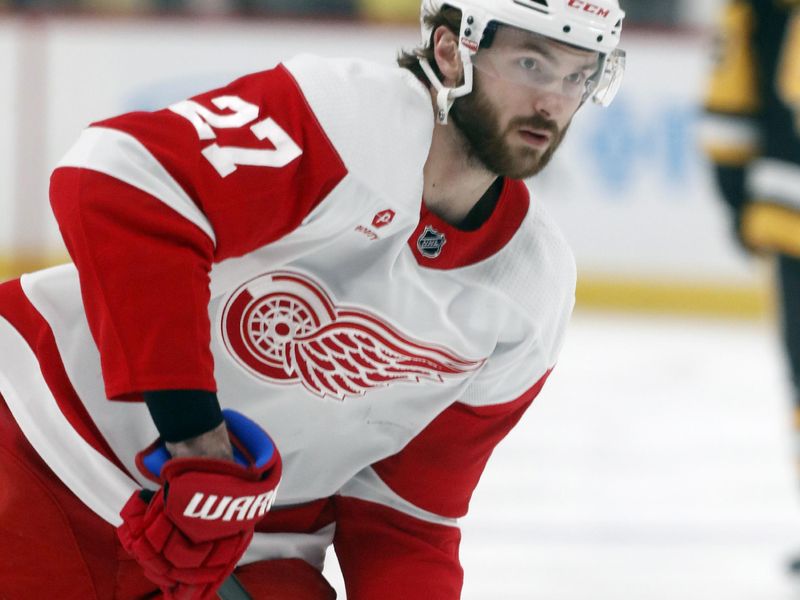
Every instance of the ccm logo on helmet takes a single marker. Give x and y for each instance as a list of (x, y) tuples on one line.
[(227, 508), (589, 7)]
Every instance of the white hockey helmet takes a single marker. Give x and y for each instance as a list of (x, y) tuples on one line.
[(593, 25)]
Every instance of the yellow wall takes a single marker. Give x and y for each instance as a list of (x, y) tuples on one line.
[(389, 10), (678, 297)]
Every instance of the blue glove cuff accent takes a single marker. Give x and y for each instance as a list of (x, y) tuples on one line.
[(254, 439), (154, 461)]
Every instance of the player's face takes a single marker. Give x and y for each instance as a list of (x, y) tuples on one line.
[(526, 91)]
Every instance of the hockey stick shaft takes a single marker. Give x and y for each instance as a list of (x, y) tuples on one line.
[(232, 589)]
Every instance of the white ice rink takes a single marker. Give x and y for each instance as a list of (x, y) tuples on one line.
[(656, 465)]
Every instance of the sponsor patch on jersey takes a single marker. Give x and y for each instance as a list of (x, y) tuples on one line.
[(383, 218), (283, 327), (431, 242)]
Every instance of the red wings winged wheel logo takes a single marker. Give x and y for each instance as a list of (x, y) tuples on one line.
[(284, 328)]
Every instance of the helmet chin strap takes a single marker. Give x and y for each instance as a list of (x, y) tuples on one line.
[(445, 96)]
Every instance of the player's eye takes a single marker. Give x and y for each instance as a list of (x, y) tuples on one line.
[(575, 78), (529, 64)]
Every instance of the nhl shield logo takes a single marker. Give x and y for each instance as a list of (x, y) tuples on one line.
[(431, 242)]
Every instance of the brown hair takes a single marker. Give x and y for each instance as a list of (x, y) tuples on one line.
[(449, 17)]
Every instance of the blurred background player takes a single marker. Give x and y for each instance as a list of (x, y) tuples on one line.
[(752, 134), (266, 246)]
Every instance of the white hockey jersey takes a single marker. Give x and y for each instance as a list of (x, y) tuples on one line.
[(269, 241)]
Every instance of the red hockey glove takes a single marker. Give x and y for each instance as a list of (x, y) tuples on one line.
[(190, 534)]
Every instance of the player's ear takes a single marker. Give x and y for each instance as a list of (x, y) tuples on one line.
[(448, 59)]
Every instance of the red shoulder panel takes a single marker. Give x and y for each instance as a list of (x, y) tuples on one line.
[(256, 181)]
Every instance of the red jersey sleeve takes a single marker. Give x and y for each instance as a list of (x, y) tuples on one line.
[(396, 533), (147, 202)]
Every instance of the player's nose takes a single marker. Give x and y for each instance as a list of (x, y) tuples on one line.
[(551, 105)]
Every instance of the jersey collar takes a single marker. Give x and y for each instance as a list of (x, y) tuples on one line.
[(438, 245)]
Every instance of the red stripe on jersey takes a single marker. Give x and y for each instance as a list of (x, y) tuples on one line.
[(17, 310), (439, 469), (462, 248), (389, 555)]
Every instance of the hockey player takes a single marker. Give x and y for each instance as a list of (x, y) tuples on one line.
[(266, 247), (752, 133)]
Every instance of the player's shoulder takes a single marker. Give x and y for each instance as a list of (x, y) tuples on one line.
[(540, 279), (536, 269), (353, 70), (540, 231), (543, 239), (376, 116), (363, 82), (532, 279)]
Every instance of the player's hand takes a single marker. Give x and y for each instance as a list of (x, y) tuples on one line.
[(190, 534)]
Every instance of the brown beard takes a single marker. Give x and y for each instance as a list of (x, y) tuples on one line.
[(479, 122)]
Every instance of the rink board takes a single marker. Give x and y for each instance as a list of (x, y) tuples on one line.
[(629, 187)]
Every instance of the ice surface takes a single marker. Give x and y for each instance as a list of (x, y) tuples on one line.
[(657, 464)]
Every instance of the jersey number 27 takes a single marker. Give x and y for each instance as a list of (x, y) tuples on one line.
[(225, 159)]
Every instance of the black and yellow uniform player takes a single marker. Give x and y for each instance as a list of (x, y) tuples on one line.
[(752, 134)]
